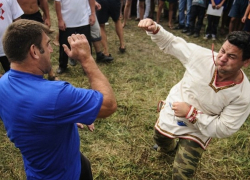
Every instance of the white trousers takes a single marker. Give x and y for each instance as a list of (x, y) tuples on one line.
[(147, 10)]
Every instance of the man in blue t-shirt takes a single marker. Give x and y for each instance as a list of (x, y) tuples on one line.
[(41, 116)]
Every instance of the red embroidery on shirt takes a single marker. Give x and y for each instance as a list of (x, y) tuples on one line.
[(1, 11)]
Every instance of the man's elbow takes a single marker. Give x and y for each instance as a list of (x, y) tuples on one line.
[(107, 109), (224, 133), (112, 107)]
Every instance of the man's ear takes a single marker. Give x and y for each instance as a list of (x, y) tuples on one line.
[(246, 63), (34, 51)]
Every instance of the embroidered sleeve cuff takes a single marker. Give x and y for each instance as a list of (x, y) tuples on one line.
[(156, 30), (190, 112), (191, 115), (160, 105)]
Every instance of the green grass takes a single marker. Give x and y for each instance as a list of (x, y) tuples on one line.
[(120, 148)]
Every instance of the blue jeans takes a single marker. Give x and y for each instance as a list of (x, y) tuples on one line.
[(184, 5), (197, 12)]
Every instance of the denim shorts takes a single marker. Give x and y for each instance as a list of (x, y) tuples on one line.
[(238, 8)]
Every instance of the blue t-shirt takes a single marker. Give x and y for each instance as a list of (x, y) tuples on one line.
[(201, 3), (216, 2), (39, 117)]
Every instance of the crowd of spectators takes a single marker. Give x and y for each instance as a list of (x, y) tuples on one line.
[(190, 16)]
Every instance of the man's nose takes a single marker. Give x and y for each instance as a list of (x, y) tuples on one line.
[(223, 57)]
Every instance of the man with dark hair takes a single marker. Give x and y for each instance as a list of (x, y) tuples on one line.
[(41, 116), (212, 99)]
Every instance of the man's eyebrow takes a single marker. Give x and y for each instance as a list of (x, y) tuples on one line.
[(234, 55), (230, 54)]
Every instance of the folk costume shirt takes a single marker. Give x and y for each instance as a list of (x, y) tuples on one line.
[(40, 118), (221, 109), (75, 13), (9, 11)]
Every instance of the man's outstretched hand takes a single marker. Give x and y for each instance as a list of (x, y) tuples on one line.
[(79, 47)]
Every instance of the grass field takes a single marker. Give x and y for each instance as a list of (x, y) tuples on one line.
[(120, 148)]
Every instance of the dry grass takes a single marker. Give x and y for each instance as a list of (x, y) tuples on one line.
[(120, 148)]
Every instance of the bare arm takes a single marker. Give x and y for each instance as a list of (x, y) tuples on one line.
[(213, 4), (61, 23), (246, 13), (92, 17), (45, 8), (97, 6), (80, 51)]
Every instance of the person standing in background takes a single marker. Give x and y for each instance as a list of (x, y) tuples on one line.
[(152, 9), (198, 10), (32, 12), (246, 18), (141, 11), (10, 12), (213, 21), (76, 18), (236, 13), (184, 5), (225, 20), (95, 32), (110, 8), (126, 12), (162, 4)]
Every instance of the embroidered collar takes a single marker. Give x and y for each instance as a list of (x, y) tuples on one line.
[(224, 85)]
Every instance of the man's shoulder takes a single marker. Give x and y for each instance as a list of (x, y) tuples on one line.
[(246, 81), (244, 88)]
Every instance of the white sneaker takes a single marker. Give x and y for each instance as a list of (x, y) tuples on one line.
[(213, 37), (206, 36)]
